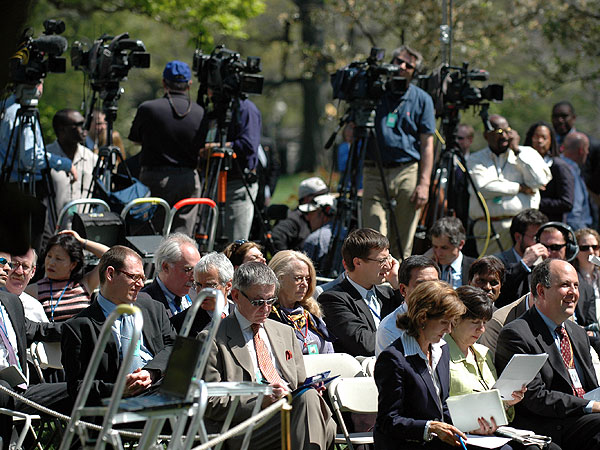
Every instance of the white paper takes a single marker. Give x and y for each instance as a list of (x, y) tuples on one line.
[(593, 395), (521, 369), (486, 441), (466, 409)]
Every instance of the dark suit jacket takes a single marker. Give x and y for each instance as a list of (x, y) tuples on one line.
[(549, 399), (154, 291), (80, 337), (200, 321), (557, 199), (229, 360), (349, 318), (26, 330), (407, 397), (501, 317), (516, 280), (464, 268)]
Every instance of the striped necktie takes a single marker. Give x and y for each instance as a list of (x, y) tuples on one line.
[(265, 363)]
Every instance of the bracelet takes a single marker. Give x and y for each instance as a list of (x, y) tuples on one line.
[(85, 244)]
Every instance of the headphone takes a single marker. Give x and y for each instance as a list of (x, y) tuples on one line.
[(572, 248), (328, 210)]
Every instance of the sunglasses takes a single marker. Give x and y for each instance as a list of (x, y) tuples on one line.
[(555, 247), (4, 262), (260, 302), (587, 248), (501, 131), (399, 61)]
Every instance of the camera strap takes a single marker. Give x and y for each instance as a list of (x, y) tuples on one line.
[(180, 115)]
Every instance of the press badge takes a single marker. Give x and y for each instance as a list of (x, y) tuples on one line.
[(392, 118), (313, 349), (575, 379)]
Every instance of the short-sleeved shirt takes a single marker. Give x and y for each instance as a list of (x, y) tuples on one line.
[(167, 139), (399, 123)]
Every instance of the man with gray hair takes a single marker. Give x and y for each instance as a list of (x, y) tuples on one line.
[(447, 240), (174, 261), (250, 347), (214, 271), (19, 276), (404, 124)]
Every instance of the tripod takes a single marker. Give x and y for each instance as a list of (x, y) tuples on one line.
[(348, 211), (24, 146)]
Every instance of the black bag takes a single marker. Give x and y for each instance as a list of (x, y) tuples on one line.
[(105, 227)]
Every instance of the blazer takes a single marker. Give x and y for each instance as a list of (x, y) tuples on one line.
[(557, 199), (516, 280), (154, 291), (501, 317), (229, 360), (80, 337), (464, 268), (348, 317), (407, 397), (549, 399), (26, 330)]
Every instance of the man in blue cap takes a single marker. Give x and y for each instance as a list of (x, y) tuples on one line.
[(168, 129)]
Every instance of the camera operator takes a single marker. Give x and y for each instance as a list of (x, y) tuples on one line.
[(168, 129), (244, 137), (31, 156), (404, 124)]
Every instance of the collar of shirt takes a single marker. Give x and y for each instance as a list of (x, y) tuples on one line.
[(457, 263), (106, 305), (80, 153), (572, 164), (245, 324), (549, 160), (361, 290), (551, 327), (412, 347), (171, 298)]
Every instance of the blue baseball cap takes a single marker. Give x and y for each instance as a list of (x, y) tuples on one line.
[(177, 71)]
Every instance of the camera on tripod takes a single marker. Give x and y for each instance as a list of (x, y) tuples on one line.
[(367, 80), (35, 58), (226, 74), (451, 86), (110, 58)]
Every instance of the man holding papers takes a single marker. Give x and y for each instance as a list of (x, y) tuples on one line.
[(554, 404)]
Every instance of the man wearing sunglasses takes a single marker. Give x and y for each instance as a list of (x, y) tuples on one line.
[(404, 125), (250, 347), (121, 275), (509, 178)]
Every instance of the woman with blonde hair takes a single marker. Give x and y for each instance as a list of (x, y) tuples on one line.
[(295, 305)]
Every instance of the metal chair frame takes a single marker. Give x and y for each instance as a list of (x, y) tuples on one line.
[(81, 201)]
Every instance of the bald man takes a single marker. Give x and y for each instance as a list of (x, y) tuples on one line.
[(575, 150)]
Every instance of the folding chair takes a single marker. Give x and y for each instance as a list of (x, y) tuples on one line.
[(209, 239), (357, 395), (45, 355), (341, 364), (368, 365)]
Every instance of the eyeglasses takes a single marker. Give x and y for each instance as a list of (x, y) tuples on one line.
[(299, 279), (4, 262), (382, 261), (554, 247), (133, 276), (501, 131), (199, 286), (260, 302), (16, 264), (400, 61), (587, 248)]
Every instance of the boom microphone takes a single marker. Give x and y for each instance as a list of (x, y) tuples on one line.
[(53, 45)]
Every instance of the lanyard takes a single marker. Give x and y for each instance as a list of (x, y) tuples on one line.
[(3, 326), (53, 307), (372, 310)]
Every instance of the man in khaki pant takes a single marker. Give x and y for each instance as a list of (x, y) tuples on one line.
[(404, 124)]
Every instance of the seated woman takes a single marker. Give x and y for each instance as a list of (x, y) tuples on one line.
[(413, 375), (588, 240), (243, 251), (66, 290), (295, 305)]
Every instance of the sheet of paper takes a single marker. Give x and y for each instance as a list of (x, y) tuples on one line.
[(593, 395), (466, 409), (521, 369), (486, 441)]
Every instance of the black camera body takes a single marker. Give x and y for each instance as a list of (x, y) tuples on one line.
[(35, 58), (226, 74), (110, 58), (367, 80)]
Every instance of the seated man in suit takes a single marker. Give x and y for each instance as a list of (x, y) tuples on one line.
[(519, 259), (214, 271), (121, 277), (413, 271), (354, 308), (553, 404), (174, 260), (447, 240), (251, 347)]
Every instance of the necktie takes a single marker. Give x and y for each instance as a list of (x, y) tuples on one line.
[(374, 305), (127, 327), (177, 301), (265, 363), (567, 356)]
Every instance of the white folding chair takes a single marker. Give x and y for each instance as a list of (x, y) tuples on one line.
[(45, 355), (356, 395), (341, 364), (368, 365)]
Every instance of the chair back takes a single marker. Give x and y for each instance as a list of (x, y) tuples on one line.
[(358, 395), (341, 364), (368, 365)]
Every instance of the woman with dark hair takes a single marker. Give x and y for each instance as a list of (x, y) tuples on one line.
[(243, 251), (66, 290), (588, 241), (295, 304), (557, 199)]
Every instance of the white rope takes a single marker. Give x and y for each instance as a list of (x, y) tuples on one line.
[(260, 418)]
